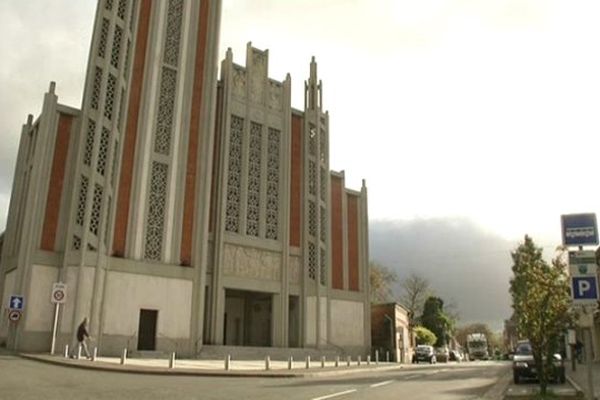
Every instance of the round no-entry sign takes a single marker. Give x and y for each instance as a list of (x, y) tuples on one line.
[(59, 293), (14, 315)]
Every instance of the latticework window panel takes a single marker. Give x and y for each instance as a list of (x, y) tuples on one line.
[(108, 4), (116, 48), (109, 102), (323, 264), (323, 184), (312, 177), (254, 167), (172, 39), (166, 106), (76, 242), (103, 37), (312, 218), (97, 86), (83, 187), (312, 261), (122, 9), (312, 140), (156, 211), (96, 208), (89, 142), (323, 224), (323, 146), (103, 151), (273, 184), (232, 212)]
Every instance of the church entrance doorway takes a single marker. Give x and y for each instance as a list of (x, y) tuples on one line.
[(248, 318)]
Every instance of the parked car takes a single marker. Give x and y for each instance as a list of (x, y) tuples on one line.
[(442, 354), (424, 353), (524, 365)]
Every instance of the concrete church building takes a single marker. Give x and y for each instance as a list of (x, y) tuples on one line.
[(183, 211)]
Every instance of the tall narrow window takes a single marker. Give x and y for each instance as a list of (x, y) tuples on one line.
[(232, 214), (254, 169)]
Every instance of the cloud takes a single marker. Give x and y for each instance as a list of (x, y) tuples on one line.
[(49, 41), (464, 263)]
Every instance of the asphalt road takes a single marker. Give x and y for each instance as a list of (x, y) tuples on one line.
[(25, 379)]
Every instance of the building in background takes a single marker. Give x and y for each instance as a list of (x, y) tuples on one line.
[(390, 332), (182, 211)]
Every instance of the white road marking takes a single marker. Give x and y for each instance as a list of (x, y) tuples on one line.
[(335, 394), (381, 384)]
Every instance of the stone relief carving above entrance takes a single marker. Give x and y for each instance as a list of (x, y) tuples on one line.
[(245, 262)]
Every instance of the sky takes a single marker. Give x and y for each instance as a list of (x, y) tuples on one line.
[(485, 112)]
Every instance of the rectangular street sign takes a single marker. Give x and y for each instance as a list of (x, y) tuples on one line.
[(16, 302), (582, 257), (59, 293), (584, 289), (579, 229), (582, 262)]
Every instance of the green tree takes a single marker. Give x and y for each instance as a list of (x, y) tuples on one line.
[(415, 289), (424, 336), (541, 303), (381, 279), (436, 320)]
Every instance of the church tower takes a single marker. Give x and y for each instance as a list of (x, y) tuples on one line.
[(130, 192)]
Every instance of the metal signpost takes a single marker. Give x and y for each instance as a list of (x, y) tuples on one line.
[(58, 297), (581, 230)]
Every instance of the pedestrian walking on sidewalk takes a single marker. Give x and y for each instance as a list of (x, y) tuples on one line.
[(578, 351), (82, 336)]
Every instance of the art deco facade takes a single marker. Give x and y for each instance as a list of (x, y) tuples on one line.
[(183, 211)]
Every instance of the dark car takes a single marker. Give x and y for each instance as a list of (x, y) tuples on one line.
[(442, 354), (524, 365), (424, 353)]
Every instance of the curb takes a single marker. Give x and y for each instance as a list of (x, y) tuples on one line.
[(101, 366), (576, 386)]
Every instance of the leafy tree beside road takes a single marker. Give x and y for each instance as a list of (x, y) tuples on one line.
[(437, 321), (424, 336), (381, 280), (541, 303)]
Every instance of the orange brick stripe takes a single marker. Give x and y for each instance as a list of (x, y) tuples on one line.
[(137, 80), (192, 160), (353, 242), (296, 182), (337, 234), (57, 176)]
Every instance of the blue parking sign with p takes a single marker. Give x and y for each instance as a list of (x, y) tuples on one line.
[(584, 288)]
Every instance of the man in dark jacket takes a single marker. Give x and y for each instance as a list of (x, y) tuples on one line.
[(82, 335)]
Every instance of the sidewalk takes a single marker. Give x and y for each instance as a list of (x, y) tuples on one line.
[(580, 376), (277, 369)]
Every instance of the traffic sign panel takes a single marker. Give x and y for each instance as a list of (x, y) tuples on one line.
[(16, 302), (579, 229), (584, 289), (59, 293), (14, 315)]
